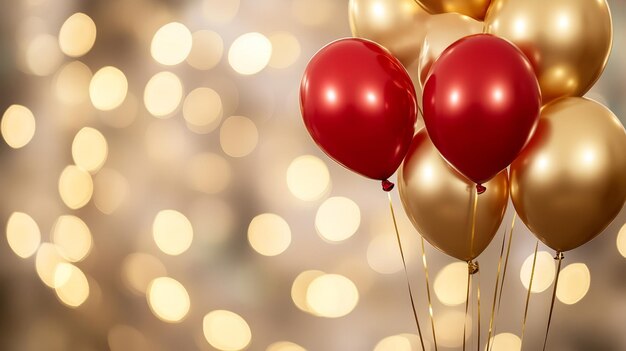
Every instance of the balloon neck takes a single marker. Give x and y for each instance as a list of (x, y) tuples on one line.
[(559, 256), (480, 188), (473, 267), (387, 185)]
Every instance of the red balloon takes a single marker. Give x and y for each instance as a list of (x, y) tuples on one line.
[(359, 105), (481, 105)]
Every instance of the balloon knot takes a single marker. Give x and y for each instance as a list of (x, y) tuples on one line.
[(559, 256), (480, 188), (473, 267), (387, 185)]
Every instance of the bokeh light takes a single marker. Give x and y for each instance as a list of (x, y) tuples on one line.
[(621, 241), (43, 55), (401, 342), (23, 235), (77, 35), (226, 330), (71, 285), (284, 346), (206, 50), (163, 94), (108, 88), (17, 126), (72, 83), (383, 255), (451, 284), (308, 178), (110, 190), (172, 232), (220, 12), (202, 110), (46, 262), (72, 238), (449, 326), (337, 219), (171, 44), (506, 342), (139, 269), (75, 187), (168, 299), (332, 296), (285, 49), (250, 53), (238, 136), (208, 173), (544, 272), (269, 234), (300, 286), (574, 283), (89, 149)]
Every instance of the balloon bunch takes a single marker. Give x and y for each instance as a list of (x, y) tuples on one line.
[(500, 84)]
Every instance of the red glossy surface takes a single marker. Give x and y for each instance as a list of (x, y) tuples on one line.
[(359, 105), (481, 105)]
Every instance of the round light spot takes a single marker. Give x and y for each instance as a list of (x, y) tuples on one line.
[(308, 178), (332, 296), (574, 283), (77, 35), (168, 299), (506, 342), (238, 136), (71, 285), (313, 13), (220, 12), (17, 126), (544, 272), (110, 190), (172, 232), (383, 255), (75, 187), (226, 330), (401, 342), (89, 149), (269, 234), (337, 219), (23, 234), (449, 325), (43, 55), (621, 241), (285, 50), (202, 110), (72, 238), (451, 284), (46, 262), (139, 269), (301, 285), (209, 173), (108, 88), (163, 94), (72, 83), (250, 53), (285, 346), (171, 44), (206, 51)]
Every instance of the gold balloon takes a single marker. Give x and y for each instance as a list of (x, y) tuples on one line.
[(398, 25), (439, 201), (567, 41), (473, 8), (569, 183), (443, 30)]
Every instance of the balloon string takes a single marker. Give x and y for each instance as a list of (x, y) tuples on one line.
[(474, 215), (406, 273), (530, 288), (467, 296), (495, 293), (430, 305), (478, 302), (559, 258)]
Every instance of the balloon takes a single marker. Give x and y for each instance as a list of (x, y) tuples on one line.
[(443, 30), (481, 105), (398, 25), (472, 8), (438, 200), (567, 41), (359, 105), (570, 182)]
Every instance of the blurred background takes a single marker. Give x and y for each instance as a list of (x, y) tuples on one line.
[(161, 193)]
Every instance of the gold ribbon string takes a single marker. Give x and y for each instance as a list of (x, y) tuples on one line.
[(559, 258), (430, 305), (467, 296), (495, 292), (478, 302), (471, 266), (530, 288), (406, 273)]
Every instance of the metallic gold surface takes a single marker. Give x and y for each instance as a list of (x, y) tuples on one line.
[(473, 8), (570, 181), (444, 30), (399, 25), (437, 200), (567, 41)]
